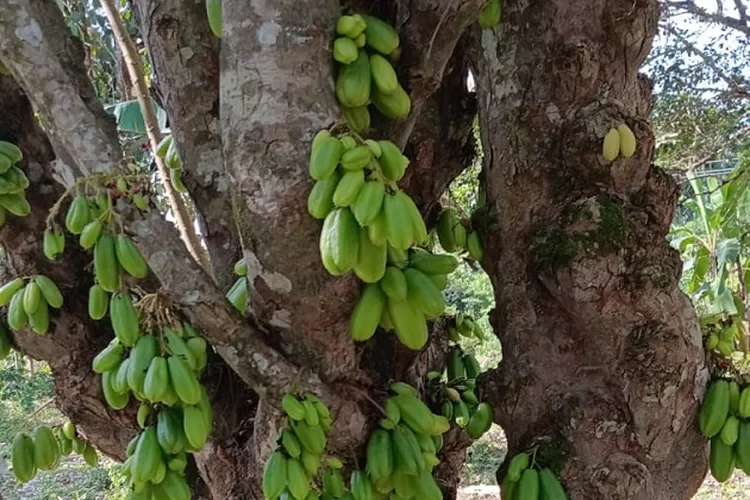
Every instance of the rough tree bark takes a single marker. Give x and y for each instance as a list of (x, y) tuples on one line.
[(602, 358), (602, 354)]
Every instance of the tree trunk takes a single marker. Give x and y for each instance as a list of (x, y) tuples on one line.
[(603, 366)]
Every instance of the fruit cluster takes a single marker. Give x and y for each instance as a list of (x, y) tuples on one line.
[(725, 418), (294, 464), (524, 480), (43, 450), (455, 395), (29, 300), (464, 326), (365, 74), (721, 336), (620, 140), (13, 183), (408, 293), (455, 234), (168, 151)]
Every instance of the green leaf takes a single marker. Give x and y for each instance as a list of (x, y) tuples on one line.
[(130, 119), (726, 254)]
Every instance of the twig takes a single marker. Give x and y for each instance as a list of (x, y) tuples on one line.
[(140, 89), (33, 414)]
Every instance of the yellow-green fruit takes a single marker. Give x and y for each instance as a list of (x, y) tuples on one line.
[(46, 449), (32, 297), (392, 162), (432, 264), (371, 259), (9, 289), (214, 13), (394, 284), (480, 421), (144, 411), (377, 230), (292, 407), (312, 438), (474, 246), (324, 157), (130, 257), (518, 464), (339, 240), (311, 463), (22, 457), (16, 204), (174, 487), (627, 140), (459, 235), (50, 292), (419, 229), (157, 379), (369, 203), (146, 348), (195, 427), (424, 294), (381, 36), (78, 215), (348, 188), (409, 323), (400, 230), (353, 82), (14, 181), (114, 399), (319, 138), (124, 319), (360, 486), (348, 142), (715, 408), (120, 381), (348, 26), (345, 50), (367, 313), (5, 163), (396, 105), (53, 244), (356, 158), (274, 476), (490, 15), (169, 431), (109, 358), (97, 302), (140, 202), (374, 147), (17, 317), (290, 443), (90, 234), (237, 295), (379, 455), (721, 460), (357, 119), (611, 145), (730, 430), (39, 319), (106, 268), (178, 464), (383, 74), (184, 382)]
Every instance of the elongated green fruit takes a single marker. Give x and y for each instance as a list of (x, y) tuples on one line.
[(97, 302), (106, 268), (49, 291), (214, 12), (383, 74), (367, 313), (611, 145), (130, 257), (32, 297), (320, 201), (715, 408)]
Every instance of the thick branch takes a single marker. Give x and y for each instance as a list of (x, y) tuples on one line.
[(135, 70), (740, 24), (36, 47), (184, 58)]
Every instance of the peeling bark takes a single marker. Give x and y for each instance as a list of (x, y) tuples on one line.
[(602, 358)]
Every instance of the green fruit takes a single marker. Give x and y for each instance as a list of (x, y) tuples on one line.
[(78, 215), (39, 319), (424, 294), (169, 431), (145, 350), (290, 443), (474, 246), (400, 232), (490, 15), (17, 317), (333, 483), (715, 408), (396, 106), (394, 284), (528, 486), (274, 476), (367, 313), (480, 422), (518, 464), (106, 268), (214, 13), (379, 455), (611, 145), (345, 50), (369, 203), (371, 259), (419, 229), (9, 289), (414, 413), (349, 187), (339, 240), (455, 364), (320, 201), (459, 235), (22, 457), (292, 407), (130, 257), (360, 486), (297, 481), (392, 162), (16, 204), (97, 302), (357, 119), (11, 151), (383, 74), (324, 157), (124, 319), (311, 463), (147, 455), (53, 244), (353, 82), (90, 234), (627, 140), (730, 430), (32, 297), (142, 416), (432, 264), (184, 382), (348, 26), (319, 138), (550, 487), (49, 290), (109, 358), (381, 36), (461, 414), (721, 460), (378, 230), (157, 379), (356, 158), (114, 399), (409, 323), (46, 448), (237, 295), (471, 366), (140, 202), (195, 427), (312, 438)]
